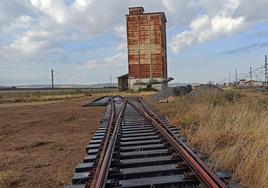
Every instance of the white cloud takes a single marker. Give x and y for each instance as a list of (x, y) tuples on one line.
[(91, 64), (204, 28), (230, 7), (119, 59), (121, 31), (179, 12), (10, 10), (56, 10), (31, 41), (15, 27), (169, 4), (226, 25), (82, 4), (200, 23)]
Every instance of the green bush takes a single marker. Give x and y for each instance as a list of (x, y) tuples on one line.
[(232, 96), (146, 89)]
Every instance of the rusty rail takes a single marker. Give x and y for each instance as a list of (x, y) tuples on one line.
[(204, 174), (104, 169), (105, 143)]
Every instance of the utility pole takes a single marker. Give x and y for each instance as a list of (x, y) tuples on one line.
[(266, 71), (110, 80), (236, 82), (229, 78), (52, 78), (250, 73)]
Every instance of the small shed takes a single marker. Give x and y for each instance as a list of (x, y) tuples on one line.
[(252, 83), (123, 82)]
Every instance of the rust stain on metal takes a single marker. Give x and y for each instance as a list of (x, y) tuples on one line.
[(146, 33)]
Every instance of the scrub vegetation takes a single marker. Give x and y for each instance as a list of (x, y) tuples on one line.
[(230, 127), (39, 95)]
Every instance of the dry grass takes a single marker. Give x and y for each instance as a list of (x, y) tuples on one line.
[(230, 127), (52, 95), (10, 179), (32, 145), (36, 96)]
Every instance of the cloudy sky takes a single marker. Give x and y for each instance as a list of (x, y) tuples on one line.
[(84, 41)]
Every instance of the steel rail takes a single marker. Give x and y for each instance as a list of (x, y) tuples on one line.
[(105, 143), (201, 164), (102, 175), (99, 98), (204, 174)]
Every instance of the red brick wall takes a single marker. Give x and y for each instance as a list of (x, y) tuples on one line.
[(147, 45)]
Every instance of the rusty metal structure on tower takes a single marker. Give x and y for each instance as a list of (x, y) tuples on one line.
[(147, 49)]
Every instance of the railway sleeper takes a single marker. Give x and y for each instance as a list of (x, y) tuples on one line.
[(81, 178), (97, 137), (141, 142), (147, 171), (138, 131), (142, 148), (95, 141), (147, 161), (89, 158), (174, 181), (99, 134), (92, 146), (84, 167), (134, 123), (93, 151), (138, 134), (139, 138), (142, 154)]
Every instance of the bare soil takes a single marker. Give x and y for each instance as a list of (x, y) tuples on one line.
[(41, 143)]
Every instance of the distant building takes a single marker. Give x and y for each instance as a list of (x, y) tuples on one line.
[(123, 82), (147, 49), (244, 82)]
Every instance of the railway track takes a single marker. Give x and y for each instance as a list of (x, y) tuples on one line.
[(134, 147)]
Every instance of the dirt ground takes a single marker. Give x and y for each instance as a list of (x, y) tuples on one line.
[(40, 143)]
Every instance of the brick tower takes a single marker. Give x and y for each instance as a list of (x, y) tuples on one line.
[(147, 50)]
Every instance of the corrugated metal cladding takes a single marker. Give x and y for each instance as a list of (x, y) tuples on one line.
[(147, 54)]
